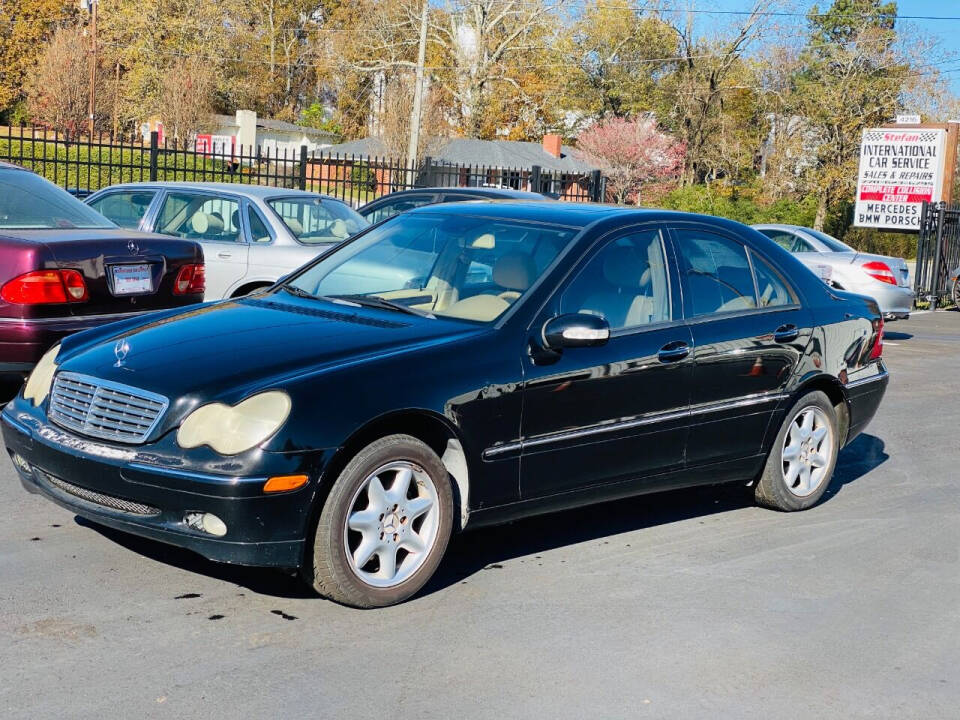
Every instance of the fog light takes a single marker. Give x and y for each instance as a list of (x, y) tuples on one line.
[(22, 464), (206, 522)]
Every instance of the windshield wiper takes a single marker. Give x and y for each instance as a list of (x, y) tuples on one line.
[(379, 302), (299, 292)]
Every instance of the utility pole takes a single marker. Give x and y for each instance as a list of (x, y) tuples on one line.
[(92, 100), (413, 146)]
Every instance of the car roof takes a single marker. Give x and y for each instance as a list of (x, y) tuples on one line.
[(4, 165), (777, 226), (571, 214), (484, 191), (252, 191)]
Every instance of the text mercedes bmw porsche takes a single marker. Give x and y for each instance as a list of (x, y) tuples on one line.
[(530, 357)]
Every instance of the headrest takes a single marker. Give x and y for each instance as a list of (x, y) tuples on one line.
[(202, 223), (486, 241), (338, 228), (295, 227), (625, 267), (235, 219), (514, 271)]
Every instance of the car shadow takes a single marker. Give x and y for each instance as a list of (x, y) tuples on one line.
[(488, 548), (894, 335)]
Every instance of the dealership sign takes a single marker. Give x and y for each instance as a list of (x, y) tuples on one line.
[(900, 169)]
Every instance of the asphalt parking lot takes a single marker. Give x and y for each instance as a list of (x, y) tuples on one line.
[(693, 604)]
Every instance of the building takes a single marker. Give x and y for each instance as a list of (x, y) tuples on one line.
[(273, 138), (548, 166)]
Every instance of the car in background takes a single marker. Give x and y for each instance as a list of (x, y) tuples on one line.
[(316, 425), (252, 235), (398, 202), (65, 268), (885, 279)]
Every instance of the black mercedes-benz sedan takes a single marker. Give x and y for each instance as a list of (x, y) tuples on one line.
[(543, 356)]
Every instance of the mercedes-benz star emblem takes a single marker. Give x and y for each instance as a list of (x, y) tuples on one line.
[(133, 247), (121, 349)]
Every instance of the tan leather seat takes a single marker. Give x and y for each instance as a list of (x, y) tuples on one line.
[(513, 271), (625, 301)]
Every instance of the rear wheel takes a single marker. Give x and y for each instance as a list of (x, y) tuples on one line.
[(956, 292), (803, 456), (385, 525)]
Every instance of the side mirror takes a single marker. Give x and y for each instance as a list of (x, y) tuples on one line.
[(576, 330)]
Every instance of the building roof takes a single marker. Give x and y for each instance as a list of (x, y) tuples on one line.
[(491, 153), (278, 125)]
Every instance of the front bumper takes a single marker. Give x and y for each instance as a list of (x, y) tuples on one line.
[(122, 488)]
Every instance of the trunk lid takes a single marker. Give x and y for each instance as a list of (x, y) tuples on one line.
[(124, 271)]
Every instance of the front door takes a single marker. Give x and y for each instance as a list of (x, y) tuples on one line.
[(597, 415), (749, 332), (215, 222)]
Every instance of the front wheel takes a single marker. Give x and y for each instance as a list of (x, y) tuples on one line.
[(385, 525), (956, 292), (803, 456)]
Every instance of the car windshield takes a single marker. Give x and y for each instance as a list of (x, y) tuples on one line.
[(28, 202), (830, 241), (436, 264), (318, 220)]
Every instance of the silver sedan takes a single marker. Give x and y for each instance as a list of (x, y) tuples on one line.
[(885, 279), (251, 235)]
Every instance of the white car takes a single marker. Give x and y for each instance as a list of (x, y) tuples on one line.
[(251, 235), (885, 279)]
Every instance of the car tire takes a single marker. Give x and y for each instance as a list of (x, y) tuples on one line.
[(802, 459), (956, 292), (359, 514)]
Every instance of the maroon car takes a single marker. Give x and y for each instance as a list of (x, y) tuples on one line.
[(64, 268)]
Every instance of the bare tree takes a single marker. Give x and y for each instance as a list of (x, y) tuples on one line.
[(185, 100)]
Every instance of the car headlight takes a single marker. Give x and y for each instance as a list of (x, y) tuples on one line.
[(40, 380), (232, 429)]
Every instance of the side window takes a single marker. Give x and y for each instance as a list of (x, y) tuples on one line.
[(626, 282), (397, 206), (258, 229), (771, 288), (200, 217), (126, 209), (716, 273), (802, 245), (781, 238)]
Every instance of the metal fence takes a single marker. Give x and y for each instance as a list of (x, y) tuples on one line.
[(84, 165), (938, 252)]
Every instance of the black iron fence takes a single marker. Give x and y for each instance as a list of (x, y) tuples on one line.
[(84, 165), (938, 252)]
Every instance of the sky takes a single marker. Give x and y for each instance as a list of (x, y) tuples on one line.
[(945, 32)]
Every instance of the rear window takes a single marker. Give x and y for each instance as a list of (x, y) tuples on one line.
[(830, 241), (28, 202)]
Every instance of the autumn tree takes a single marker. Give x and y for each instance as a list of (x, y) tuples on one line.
[(185, 100), (57, 94), (630, 153), (618, 53), (25, 28)]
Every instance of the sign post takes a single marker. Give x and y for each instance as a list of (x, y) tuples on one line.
[(901, 168)]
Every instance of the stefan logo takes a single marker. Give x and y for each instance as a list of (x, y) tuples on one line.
[(133, 247), (121, 350)]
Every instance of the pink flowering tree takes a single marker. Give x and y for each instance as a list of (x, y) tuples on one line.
[(630, 153)]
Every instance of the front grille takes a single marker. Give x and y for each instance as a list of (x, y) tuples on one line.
[(114, 503), (103, 409)]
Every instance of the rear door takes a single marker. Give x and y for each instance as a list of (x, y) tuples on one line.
[(216, 222), (749, 331)]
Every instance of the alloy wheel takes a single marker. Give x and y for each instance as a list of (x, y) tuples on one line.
[(392, 524), (807, 451)]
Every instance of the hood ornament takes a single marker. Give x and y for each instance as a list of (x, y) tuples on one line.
[(121, 349)]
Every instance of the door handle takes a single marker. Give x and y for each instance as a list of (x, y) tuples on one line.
[(224, 255), (786, 333), (673, 351)]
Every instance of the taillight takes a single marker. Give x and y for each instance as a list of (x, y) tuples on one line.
[(40, 287), (880, 271), (876, 350), (190, 280)]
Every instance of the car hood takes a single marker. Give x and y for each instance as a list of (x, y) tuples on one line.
[(226, 350)]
